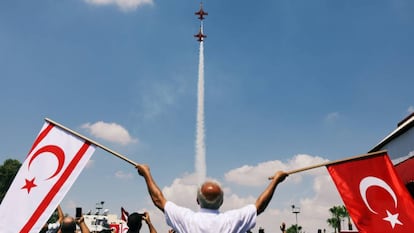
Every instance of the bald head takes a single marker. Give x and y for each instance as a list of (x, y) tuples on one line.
[(68, 225), (210, 195)]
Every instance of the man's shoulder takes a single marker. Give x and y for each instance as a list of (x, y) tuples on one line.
[(245, 209), (172, 205)]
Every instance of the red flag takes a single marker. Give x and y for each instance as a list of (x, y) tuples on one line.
[(55, 160), (124, 214), (374, 195), (405, 170)]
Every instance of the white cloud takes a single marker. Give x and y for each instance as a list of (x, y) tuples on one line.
[(183, 191), (125, 5), (123, 175), (250, 175), (257, 175), (111, 132)]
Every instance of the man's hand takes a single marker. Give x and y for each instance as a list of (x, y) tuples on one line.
[(264, 198), (80, 220), (143, 169), (82, 225), (146, 217), (280, 176)]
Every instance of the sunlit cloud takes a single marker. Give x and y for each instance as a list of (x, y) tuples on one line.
[(258, 175), (111, 132), (124, 5), (254, 175)]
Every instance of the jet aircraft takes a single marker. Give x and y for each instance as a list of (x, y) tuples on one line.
[(200, 35), (201, 12)]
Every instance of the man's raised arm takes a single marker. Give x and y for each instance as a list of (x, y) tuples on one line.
[(156, 195), (264, 198), (61, 216), (147, 219)]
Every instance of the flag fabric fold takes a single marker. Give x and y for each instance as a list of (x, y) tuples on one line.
[(374, 195), (124, 214), (55, 160)]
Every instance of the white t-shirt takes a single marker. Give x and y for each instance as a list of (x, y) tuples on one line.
[(53, 227), (185, 220)]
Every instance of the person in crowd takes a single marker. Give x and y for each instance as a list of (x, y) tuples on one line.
[(210, 198), (53, 227), (283, 227), (134, 222), (69, 225)]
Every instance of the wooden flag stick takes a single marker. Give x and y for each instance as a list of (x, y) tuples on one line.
[(92, 142), (334, 162)]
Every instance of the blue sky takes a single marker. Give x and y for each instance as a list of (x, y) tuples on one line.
[(288, 83)]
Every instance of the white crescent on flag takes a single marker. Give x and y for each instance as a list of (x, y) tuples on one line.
[(371, 181)]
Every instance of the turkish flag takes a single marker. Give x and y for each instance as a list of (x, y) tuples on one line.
[(55, 160), (374, 195)]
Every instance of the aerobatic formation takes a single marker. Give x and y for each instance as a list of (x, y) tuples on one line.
[(201, 13)]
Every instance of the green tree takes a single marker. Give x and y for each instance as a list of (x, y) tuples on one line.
[(348, 218), (292, 229), (8, 171), (337, 213)]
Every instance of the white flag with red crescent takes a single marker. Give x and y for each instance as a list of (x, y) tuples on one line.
[(55, 160)]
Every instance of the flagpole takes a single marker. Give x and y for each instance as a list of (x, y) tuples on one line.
[(334, 162), (92, 142)]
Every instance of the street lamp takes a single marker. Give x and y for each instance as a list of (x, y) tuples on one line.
[(296, 211)]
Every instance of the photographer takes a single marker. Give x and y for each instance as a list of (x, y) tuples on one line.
[(135, 222), (69, 225)]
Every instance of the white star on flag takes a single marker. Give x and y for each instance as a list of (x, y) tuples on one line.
[(393, 219)]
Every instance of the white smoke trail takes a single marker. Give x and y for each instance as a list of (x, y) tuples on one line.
[(200, 160)]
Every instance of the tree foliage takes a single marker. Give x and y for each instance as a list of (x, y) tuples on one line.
[(337, 213), (292, 229), (8, 171)]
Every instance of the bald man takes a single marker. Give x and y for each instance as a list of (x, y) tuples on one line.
[(69, 225), (209, 197)]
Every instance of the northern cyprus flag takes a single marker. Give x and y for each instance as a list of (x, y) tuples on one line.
[(55, 160)]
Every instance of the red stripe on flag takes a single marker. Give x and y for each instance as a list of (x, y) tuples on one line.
[(42, 135), (55, 189)]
